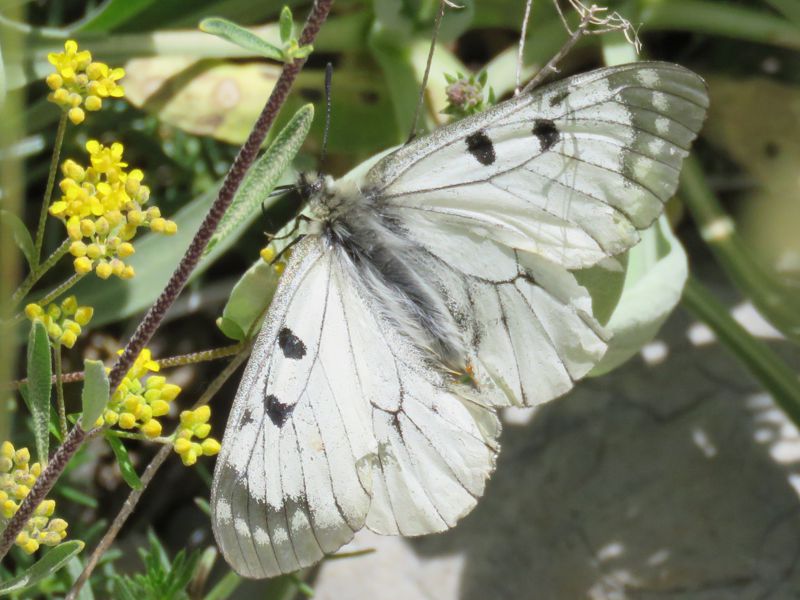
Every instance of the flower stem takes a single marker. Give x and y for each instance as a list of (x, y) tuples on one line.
[(778, 301), (48, 191), (37, 273), (165, 363), (144, 332), (765, 365), (135, 495), (62, 412)]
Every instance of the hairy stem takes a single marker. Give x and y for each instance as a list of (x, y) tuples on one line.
[(154, 316), (166, 363), (36, 274), (48, 191), (135, 495), (62, 411)]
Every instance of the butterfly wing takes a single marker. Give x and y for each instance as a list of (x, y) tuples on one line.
[(338, 422), (506, 203), (570, 171)]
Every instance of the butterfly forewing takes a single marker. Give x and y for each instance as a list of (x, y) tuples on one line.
[(342, 423), (570, 171)]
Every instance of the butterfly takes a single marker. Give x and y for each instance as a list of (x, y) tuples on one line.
[(430, 290)]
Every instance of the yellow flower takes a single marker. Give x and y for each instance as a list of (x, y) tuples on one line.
[(17, 476), (63, 323), (102, 208), (77, 80), (194, 424)]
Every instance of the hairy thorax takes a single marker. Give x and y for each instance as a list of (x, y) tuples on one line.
[(388, 265)]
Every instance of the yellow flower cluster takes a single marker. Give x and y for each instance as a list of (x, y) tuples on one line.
[(137, 402), (194, 424), (63, 323), (102, 208), (78, 80), (17, 476)]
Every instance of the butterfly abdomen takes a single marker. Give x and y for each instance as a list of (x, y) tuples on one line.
[(377, 252)]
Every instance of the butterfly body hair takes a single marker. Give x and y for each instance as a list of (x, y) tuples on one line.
[(373, 247)]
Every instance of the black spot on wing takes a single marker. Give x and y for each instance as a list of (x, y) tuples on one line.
[(558, 98), (247, 417), (547, 133), (291, 345), (481, 147), (278, 411)]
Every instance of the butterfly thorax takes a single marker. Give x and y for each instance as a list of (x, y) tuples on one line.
[(370, 243)]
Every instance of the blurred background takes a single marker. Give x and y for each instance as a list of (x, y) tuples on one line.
[(672, 477)]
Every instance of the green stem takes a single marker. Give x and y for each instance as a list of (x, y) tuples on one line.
[(61, 289), (765, 365), (721, 18), (62, 412), (776, 300), (38, 272), (51, 180), (225, 587)]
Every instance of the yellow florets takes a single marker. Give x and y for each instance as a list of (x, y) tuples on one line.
[(194, 424), (17, 476), (64, 322), (102, 208), (79, 81), (140, 399)]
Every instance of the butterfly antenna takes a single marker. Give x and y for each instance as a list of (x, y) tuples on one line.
[(523, 34), (328, 78), (436, 25)]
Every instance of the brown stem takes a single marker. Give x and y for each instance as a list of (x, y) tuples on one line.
[(165, 363), (154, 316), (135, 495)]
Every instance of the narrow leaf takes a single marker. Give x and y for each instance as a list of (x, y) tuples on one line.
[(94, 397), (39, 373), (124, 461), (51, 562), (21, 235), (286, 24), (240, 36), (265, 173)]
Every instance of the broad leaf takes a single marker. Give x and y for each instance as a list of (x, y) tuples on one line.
[(654, 279), (249, 298)]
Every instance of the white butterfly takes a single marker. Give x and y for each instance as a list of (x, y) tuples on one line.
[(430, 291)]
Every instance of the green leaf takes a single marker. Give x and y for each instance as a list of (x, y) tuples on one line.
[(654, 280), (286, 25), (39, 386), (240, 36), (111, 14), (95, 395), (124, 461), (21, 235), (264, 174), (51, 562), (249, 297)]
